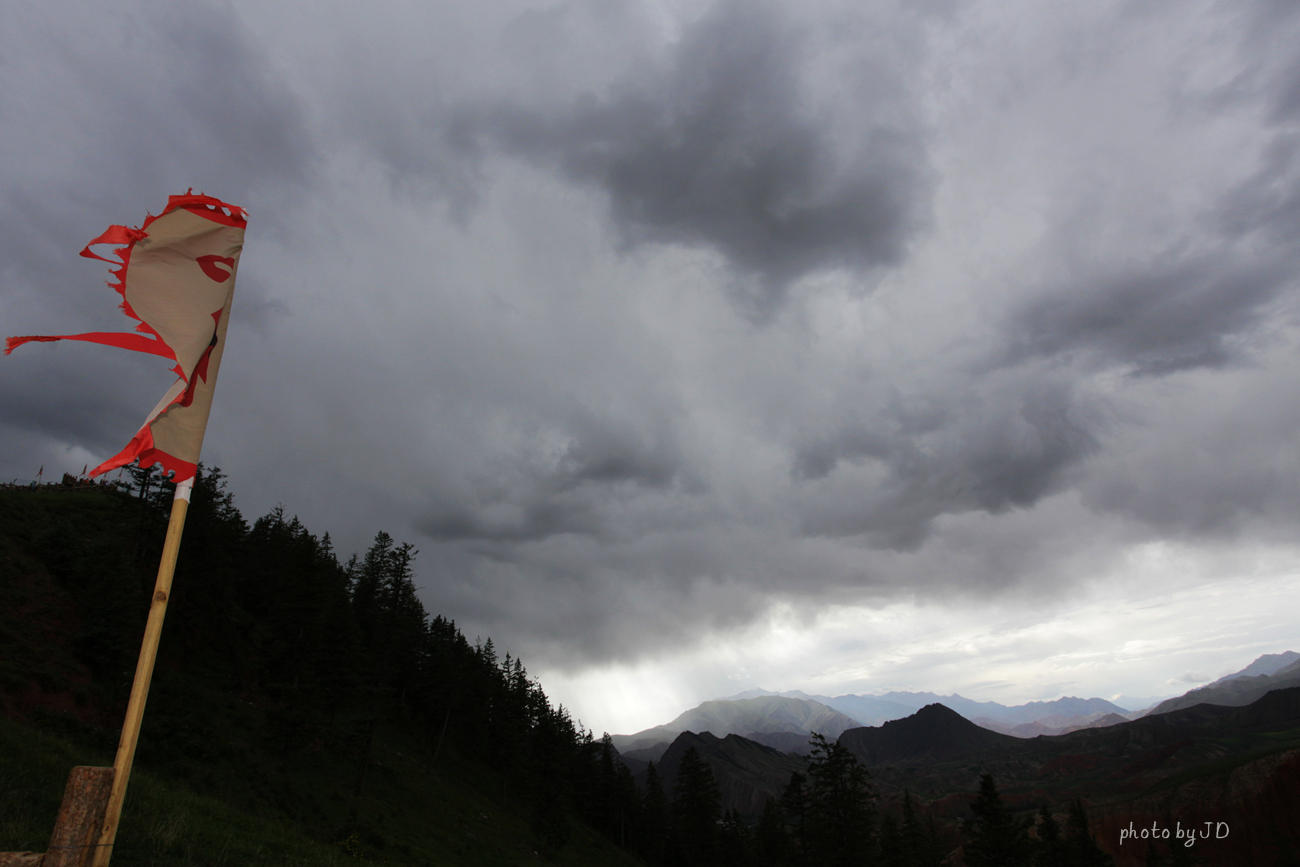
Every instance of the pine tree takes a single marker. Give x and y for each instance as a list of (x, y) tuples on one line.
[(772, 842), (653, 834), (1079, 846), (840, 814), (735, 843), (892, 852), (1049, 848), (995, 838), (794, 801), (921, 843), (697, 807)]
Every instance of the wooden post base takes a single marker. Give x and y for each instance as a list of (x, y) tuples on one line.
[(76, 831)]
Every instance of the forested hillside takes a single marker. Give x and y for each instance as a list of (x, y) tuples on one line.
[(289, 682)]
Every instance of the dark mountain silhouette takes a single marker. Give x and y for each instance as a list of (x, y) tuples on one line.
[(747, 773), (786, 742), (933, 733)]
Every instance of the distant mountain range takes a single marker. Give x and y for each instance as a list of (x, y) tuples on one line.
[(785, 720), (1056, 724), (874, 710)]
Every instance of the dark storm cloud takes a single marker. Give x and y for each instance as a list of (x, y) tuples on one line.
[(571, 493), (1156, 320), (725, 150), (83, 414), (1006, 444), (1267, 204), (143, 102)]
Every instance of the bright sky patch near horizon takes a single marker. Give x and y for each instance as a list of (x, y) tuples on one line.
[(706, 345)]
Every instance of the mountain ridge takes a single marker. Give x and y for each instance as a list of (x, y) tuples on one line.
[(760, 715), (1234, 691), (1056, 716)]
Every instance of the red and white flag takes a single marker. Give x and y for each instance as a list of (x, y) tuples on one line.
[(176, 276)]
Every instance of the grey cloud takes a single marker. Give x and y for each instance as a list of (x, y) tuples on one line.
[(1268, 202), (1004, 445), (603, 463), (1158, 319), (163, 99), (85, 414), (724, 150)]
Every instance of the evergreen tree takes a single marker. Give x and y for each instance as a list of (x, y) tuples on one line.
[(697, 807), (1049, 848), (892, 852), (920, 842), (840, 814), (995, 838), (772, 842), (794, 801), (653, 834), (735, 843), (1079, 846)]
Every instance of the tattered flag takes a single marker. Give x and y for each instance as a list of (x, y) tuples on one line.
[(176, 276)]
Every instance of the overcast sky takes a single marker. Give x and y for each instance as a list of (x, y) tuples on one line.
[(698, 346)]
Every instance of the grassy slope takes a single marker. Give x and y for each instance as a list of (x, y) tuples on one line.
[(403, 817)]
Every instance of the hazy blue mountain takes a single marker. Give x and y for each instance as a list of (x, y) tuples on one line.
[(764, 714), (1053, 725), (1067, 707), (1269, 663), (1139, 704), (1236, 690), (875, 710), (868, 710)]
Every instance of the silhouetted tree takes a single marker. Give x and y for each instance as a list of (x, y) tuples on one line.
[(995, 838), (1049, 848), (920, 842), (1079, 846), (840, 816), (653, 834), (794, 802), (697, 807), (772, 843), (735, 843)]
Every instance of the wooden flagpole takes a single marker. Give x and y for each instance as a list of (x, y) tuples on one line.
[(143, 674)]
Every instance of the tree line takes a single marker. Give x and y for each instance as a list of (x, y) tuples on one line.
[(829, 817)]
